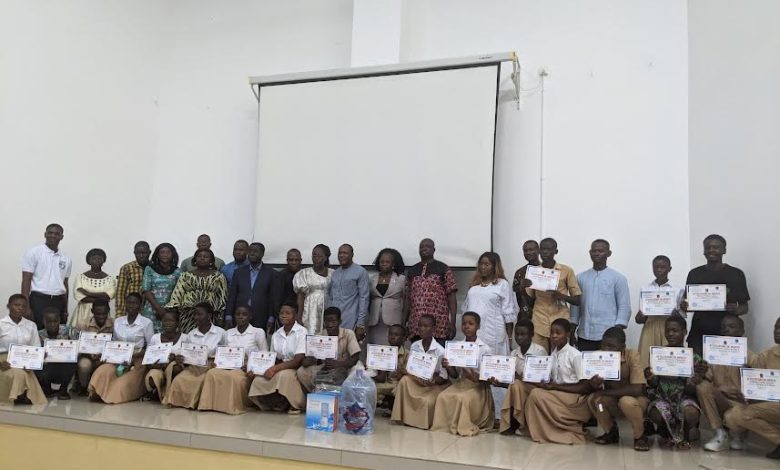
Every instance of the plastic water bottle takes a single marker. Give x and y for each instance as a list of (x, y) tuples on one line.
[(357, 404)]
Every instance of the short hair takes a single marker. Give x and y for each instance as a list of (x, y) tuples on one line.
[(427, 316), (141, 243), (289, 304), (662, 258), (525, 323), (259, 245), (600, 240), (532, 242), (351, 249), (549, 240), (332, 311), (615, 333), (96, 251), (398, 326), (241, 240), (204, 235), (171, 312), (736, 317), (50, 310), (293, 250), (154, 261), (473, 315), (325, 249), (205, 250), (99, 303), (714, 236), (398, 260), (135, 295), (55, 225), (563, 323), (205, 306), (677, 319), (16, 297)]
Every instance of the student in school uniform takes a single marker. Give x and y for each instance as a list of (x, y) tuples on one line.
[(466, 407), (18, 386), (385, 381), (653, 325), (673, 408), (763, 418), (556, 411), (415, 398), (100, 322), (185, 388), (112, 383), (158, 376), (625, 397), (278, 389), (226, 390), (331, 371), (60, 373), (513, 408), (721, 390)]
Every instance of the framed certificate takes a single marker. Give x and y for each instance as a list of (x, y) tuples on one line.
[(605, 364), (761, 384), (322, 347), (462, 353), (706, 297), (158, 354), (502, 368), (543, 278), (61, 350), (380, 357), (118, 352), (195, 354), (260, 361), (537, 369), (657, 302), (229, 358), (725, 350), (673, 362), (93, 343), (421, 365), (26, 357)]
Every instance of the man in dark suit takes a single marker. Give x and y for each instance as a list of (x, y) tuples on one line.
[(254, 285)]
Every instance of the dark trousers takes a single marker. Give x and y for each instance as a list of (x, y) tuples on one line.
[(55, 373), (588, 345), (38, 302)]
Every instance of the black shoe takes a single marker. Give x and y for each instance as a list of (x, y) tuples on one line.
[(63, 394), (775, 454), (611, 437), (649, 428)]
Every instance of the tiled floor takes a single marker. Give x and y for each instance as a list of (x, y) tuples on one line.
[(390, 447)]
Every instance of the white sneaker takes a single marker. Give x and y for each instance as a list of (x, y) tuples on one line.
[(718, 443), (737, 441)]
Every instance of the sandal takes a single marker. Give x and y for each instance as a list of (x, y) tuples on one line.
[(641, 444), (684, 445), (665, 442)]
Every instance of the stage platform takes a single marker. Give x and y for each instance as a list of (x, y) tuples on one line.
[(279, 436)]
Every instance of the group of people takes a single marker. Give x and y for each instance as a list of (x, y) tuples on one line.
[(204, 301)]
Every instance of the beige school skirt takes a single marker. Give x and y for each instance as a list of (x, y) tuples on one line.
[(284, 382), (14, 382), (414, 403), (514, 404), (184, 391), (112, 389), (465, 408), (225, 391), (556, 417)]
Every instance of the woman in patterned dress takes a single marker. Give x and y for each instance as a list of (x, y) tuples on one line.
[(203, 285), (310, 285), (160, 278), (90, 286)]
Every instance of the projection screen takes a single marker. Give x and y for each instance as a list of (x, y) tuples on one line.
[(378, 161)]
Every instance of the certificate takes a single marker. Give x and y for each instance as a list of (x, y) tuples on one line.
[(706, 297), (118, 352), (543, 278), (421, 365), (537, 369), (158, 354), (195, 354), (657, 302), (725, 350), (761, 384), (61, 350), (260, 361), (26, 357), (462, 354), (673, 362), (381, 357), (92, 343), (322, 347), (502, 368), (229, 358), (605, 364)]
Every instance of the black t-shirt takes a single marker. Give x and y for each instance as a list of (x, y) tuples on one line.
[(708, 323)]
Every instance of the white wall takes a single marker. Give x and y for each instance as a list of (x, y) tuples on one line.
[(734, 146)]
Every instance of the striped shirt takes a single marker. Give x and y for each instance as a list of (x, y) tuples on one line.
[(130, 279)]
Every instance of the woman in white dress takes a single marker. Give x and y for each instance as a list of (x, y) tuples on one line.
[(311, 285), (90, 286)]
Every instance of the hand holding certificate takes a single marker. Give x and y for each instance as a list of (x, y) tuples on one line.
[(61, 350), (657, 302), (421, 365), (118, 352), (93, 343), (673, 362), (761, 384), (537, 369), (382, 357), (725, 350), (501, 368), (26, 357), (158, 354), (195, 354), (605, 364), (462, 354), (322, 347), (543, 278), (260, 361), (706, 297), (229, 358)]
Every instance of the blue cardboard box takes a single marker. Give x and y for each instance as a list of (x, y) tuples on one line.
[(322, 411)]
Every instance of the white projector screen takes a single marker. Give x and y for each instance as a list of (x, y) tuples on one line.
[(379, 161)]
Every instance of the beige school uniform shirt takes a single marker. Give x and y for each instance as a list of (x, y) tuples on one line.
[(546, 308)]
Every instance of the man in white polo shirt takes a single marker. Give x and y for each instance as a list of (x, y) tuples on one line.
[(45, 273)]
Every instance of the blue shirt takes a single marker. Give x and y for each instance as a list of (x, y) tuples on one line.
[(606, 302), (348, 290), (229, 269)]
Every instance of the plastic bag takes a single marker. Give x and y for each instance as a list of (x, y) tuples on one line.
[(357, 404)]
